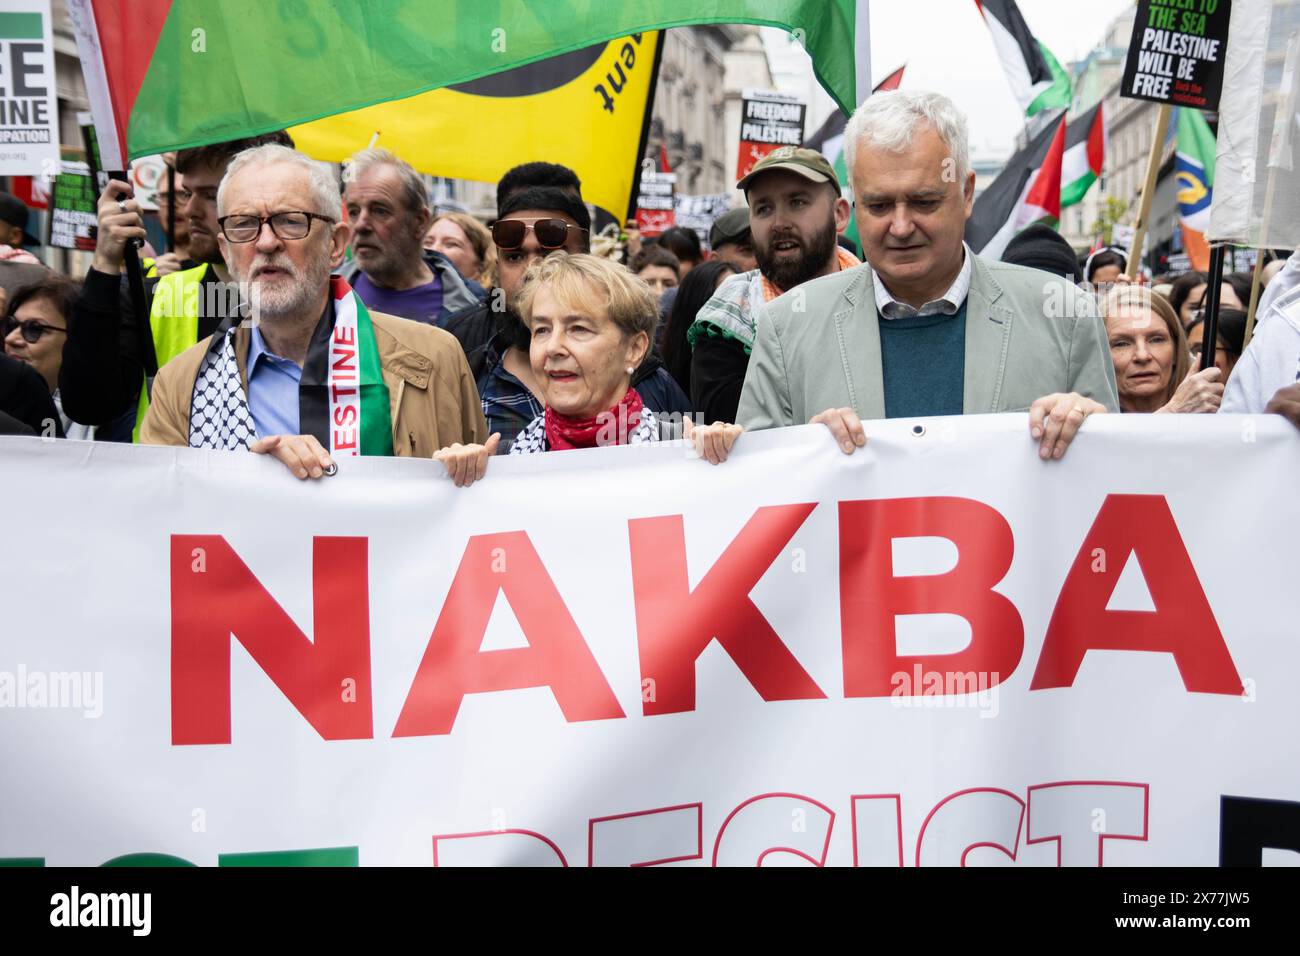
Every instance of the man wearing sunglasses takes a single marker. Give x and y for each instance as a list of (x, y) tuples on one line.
[(533, 222), (315, 376)]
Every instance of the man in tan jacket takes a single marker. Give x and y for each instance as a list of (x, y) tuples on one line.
[(314, 376)]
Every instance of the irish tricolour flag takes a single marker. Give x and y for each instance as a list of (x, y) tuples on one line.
[(1037, 80)]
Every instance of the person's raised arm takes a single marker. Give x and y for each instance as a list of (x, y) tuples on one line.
[(102, 370)]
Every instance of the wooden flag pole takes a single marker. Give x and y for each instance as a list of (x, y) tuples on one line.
[(1259, 256), (1254, 297), (1148, 190)]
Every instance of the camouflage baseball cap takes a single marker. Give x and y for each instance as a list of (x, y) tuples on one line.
[(808, 163)]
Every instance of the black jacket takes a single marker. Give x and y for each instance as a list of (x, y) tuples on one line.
[(25, 401), (718, 367), (103, 364), (474, 328)]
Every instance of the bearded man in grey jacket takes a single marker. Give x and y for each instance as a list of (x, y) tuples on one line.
[(925, 327)]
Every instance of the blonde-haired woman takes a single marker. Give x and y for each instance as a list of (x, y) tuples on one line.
[(591, 324), (1152, 361), (467, 243)]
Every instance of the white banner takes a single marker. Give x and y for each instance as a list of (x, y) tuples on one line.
[(29, 108), (938, 650)]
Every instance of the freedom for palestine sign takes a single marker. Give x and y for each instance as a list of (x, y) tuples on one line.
[(1177, 51)]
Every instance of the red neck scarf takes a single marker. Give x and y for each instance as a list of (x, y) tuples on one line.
[(613, 427)]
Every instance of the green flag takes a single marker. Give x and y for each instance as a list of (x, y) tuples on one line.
[(1057, 96), (190, 72)]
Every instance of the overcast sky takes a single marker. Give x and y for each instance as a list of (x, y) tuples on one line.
[(948, 48)]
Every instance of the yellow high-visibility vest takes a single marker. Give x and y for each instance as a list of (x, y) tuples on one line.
[(174, 321)]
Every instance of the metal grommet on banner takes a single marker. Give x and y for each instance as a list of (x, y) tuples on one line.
[(918, 430), (332, 470)]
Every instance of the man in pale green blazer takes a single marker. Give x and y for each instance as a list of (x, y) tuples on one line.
[(925, 327)]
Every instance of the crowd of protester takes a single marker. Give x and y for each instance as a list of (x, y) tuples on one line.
[(475, 340)]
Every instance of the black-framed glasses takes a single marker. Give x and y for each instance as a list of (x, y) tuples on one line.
[(32, 330), (550, 233), (285, 225)]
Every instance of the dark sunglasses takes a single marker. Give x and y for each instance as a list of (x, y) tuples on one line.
[(550, 233), (32, 329)]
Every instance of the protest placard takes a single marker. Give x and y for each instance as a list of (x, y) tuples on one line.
[(1177, 51), (768, 119), (29, 113), (654, 203), (71, 218)]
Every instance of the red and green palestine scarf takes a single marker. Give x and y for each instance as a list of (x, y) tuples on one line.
[(342, 398)]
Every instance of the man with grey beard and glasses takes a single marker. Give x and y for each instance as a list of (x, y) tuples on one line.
[(315, 376), (795, 214)]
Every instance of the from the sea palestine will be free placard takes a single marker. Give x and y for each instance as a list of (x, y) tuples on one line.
[(1177, 52)]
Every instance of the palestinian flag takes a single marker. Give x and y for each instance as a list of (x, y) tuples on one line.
[(166, 74), (1037, 80), (1085, 149), (1027, 191), (829, 141), (1194, 173)]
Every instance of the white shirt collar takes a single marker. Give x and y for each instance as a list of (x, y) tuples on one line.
[(948, 303)]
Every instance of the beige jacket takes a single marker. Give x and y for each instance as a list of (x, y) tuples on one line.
[(432, 395)]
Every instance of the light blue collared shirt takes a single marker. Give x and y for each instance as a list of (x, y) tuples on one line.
[(947, 304), (272, 389)]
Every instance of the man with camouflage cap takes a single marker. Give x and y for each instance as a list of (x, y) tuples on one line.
[(795, 213)]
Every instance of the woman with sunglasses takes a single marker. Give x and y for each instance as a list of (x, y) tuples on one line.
[(591, 324), (35, 330)]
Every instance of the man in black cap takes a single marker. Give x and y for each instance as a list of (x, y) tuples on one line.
[(731, 241), (1041, 247), (13, 222), (795, 213)]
